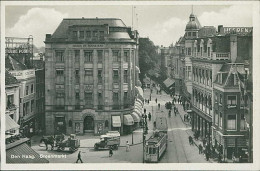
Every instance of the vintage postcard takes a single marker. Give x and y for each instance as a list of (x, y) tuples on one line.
[(129, 85)]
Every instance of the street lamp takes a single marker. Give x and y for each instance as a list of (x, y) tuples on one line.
[(145, 131)]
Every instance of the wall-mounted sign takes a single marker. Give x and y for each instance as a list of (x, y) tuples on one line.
[(237, 29), (88, 46)]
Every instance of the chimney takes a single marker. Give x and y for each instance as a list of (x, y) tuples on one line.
[(220, 28)]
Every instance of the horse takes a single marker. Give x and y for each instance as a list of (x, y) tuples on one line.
[(48, 141)]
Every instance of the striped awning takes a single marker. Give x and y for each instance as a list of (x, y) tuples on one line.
[(25, 150), (135, 117), (10, 123), (128, 120)]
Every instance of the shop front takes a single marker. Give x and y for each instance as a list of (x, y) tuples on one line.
[(128, 124), (116, 123)]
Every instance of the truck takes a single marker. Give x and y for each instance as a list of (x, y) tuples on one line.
[(110, 140)]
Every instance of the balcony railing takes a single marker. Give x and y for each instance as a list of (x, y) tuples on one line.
[(220, 56)]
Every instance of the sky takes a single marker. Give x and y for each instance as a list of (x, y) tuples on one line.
[(162, 24)]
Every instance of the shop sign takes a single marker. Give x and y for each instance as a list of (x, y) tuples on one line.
[(88, 46), (238, 29)]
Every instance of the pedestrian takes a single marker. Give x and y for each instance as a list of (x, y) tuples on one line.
[(79, 157), (159, 105), (233, 157), (148, 101), (240, 159), (207, 155), (149, 116), (219, 158), (156, 100), (200, 149), (110, 152), (190, 140), (144, 110), (127, 146)]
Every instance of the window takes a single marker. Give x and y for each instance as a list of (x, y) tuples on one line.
[(60, 100), (77, 77), (115, 97), (95, 34), (207, 77), (81, 34), (231, 122), (189, 51), (220, 119), (10, 101), (89, 76), (126, 99), (116, 57), (99, 76), (189, 72), (70, 123), (106, 123), (77, 95), (32, 105), (88, 34), (208, 51), (125, 76), (200, 51), (101, 35), (59, 56), (220, 99), (32, 88), (115, 76), (194, 33), (59, 72), (189, 33), (242, 122), (75, 34), (216, 117), (200, 78), (216, 97), (77, 55), (27, 90), (27, 104), (126, 56), (88, 56), (88, 99), (100, 56), (232, 100)]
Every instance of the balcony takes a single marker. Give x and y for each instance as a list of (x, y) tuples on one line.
[(220, 56)]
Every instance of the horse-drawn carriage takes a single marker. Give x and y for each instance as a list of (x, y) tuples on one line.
[(72, 143)]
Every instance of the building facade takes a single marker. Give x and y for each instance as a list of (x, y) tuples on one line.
[(91, 74), (26, 77)]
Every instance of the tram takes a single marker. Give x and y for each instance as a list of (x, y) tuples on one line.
[(156, 145)]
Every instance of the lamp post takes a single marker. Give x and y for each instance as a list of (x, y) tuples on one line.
[(145, 128)]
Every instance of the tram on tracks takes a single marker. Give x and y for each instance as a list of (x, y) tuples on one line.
[(156, 145)]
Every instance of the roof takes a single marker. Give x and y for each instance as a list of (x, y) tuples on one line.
[(10, 123), (12, 64), (168, 82), (10, 79), (61, 31), (38, 64), (25, 150), (193, 23)]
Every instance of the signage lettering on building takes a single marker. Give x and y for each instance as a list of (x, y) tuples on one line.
[(238, 29), (88, 46)]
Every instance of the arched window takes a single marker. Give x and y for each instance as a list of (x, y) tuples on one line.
[(106, 123), (70, 123)]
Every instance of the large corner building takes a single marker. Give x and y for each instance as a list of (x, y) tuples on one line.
[(91, 73)]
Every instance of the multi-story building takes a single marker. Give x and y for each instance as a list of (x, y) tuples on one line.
[(40, 94), (91, 74), (26, 77), (12, 105)]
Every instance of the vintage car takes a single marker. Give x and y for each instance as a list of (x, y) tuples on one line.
[(109, 140)]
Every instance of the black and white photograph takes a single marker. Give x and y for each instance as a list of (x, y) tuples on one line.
[(134, 83)]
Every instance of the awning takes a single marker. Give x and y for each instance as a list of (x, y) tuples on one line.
[(29, 155), (140, 102), (116, 121), (138, 112), (168, 82), (137, 104), (135, 117), (128, 120), (139, 91), (10, 123)]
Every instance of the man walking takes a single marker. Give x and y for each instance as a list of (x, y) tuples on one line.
[(149, 116), (200, 149), (156, 100), (110, 152), (79, 157)]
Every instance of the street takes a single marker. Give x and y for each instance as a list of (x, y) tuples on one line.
[(178, 151)]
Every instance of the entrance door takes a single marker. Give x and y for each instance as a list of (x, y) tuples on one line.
[(60, 125), (88, 124)]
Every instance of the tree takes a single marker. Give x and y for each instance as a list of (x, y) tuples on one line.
[(148, 57)]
